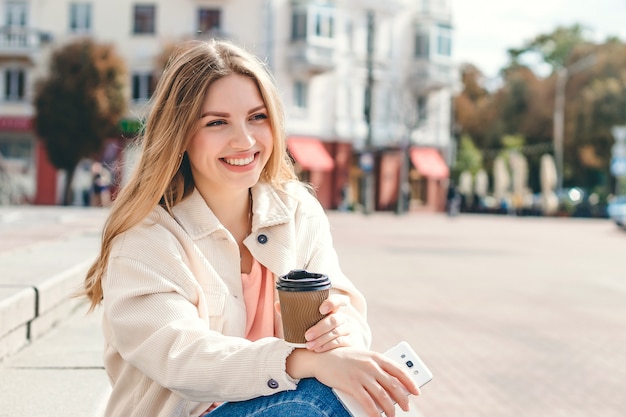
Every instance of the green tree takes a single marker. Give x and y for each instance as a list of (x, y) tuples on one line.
[(554, 48), (469, 157), (79, 104), (592, 98), (601, 104)]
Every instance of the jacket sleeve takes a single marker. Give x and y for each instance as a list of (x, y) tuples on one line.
[(150, 307), (323, 257)]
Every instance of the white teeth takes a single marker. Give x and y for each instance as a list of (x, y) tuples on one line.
[(239, 161)]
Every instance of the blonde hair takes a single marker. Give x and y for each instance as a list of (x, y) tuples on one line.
[(162, 175)]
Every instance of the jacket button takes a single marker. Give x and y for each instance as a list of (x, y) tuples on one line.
[(272, 384), (262, 239)]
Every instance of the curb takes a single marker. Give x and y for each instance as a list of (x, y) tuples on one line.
[(36, 288)]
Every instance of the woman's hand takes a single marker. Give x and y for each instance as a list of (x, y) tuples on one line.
[(336, 329), (341, 327), (371, 378)]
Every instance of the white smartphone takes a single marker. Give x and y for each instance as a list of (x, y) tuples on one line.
[(403, 354)]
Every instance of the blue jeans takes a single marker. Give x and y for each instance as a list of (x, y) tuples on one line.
[(310, 399)]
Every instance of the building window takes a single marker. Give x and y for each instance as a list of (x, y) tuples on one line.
[(144, 19), (209, 20), (143, 86), (422, 43), (313, 22), (350, 35), (324, 22), (80, 17), (300, 94), (298, 25), (16, 13), (422, 108), (14, 81), (444, 40)]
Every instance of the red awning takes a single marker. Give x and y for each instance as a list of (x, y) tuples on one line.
[(429, 163), (310, 153)]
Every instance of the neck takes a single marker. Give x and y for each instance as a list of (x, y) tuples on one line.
[(233, 210)]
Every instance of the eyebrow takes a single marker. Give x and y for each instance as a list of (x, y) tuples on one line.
[(220, 114)]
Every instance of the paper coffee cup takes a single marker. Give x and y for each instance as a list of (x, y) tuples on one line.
[(300, 294)]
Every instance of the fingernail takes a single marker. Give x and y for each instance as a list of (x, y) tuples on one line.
[(324, 310), (310, 345)]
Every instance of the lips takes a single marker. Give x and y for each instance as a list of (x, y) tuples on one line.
[(239, 161)]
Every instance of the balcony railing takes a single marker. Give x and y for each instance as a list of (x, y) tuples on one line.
[(431, 75), (16, 40), (311, 58)]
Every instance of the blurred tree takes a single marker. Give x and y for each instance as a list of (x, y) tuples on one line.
[(524, 104), (595, 101), (524, 108), (513, 100), (554, 48), (601, 105), (79, 104), (474, 111), (469, 157)]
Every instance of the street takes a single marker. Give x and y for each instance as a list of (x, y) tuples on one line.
[(515, 316)]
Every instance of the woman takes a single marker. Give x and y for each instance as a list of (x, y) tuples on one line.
[(194, 241)]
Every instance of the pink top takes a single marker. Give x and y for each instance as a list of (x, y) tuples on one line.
[(258, 295)]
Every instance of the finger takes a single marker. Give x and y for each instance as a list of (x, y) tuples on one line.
[(397, 382), (334, 302), (402, 375), (325, 330), (323, 326), (277, 307), (398, 393), (382, 398), (367, 401), (331, 340)]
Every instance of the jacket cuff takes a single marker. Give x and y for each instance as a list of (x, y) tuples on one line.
[(273, 376)]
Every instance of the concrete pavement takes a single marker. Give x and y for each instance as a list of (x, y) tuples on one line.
[(51, 355), (514, 316), (44, 253)]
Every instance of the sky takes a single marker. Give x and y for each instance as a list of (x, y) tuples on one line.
[(485, 29)]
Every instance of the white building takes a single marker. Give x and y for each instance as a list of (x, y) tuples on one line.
[(318, 52)]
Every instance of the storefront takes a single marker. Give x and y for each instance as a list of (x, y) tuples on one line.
[(315, 165), (428, 179), (18, 160)]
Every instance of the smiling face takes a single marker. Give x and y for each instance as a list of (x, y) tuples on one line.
[(234, 138)]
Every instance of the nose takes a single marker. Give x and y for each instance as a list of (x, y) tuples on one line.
[(242, 138)]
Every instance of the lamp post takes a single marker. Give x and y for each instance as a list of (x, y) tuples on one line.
[(367, 159), (562, 76)]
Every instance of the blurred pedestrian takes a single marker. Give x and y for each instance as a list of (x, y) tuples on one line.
[(211, 216), (453, 200), (101, 179)]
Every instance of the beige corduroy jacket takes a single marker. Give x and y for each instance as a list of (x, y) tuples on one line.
[(174, 313)]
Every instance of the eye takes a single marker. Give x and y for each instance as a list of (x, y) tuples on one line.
[(259, 116), (215, 123)]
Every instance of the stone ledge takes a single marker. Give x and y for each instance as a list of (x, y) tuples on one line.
[(17, 307), (36, 288)]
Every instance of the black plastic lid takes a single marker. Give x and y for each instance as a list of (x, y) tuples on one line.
[(302, 280)]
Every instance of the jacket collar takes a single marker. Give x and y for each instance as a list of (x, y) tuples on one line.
[(269, 207)]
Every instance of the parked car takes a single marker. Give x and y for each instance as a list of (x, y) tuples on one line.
[(617, 210)]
